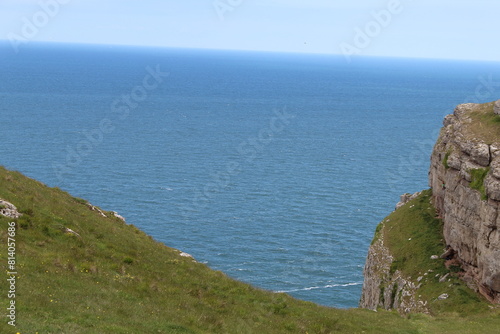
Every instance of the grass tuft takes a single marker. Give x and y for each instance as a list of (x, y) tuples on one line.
[(478, 175), (445, 159)]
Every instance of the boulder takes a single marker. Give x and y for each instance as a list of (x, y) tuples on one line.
[(9, 210)]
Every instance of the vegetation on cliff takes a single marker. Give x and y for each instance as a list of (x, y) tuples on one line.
[(413, 239), (413, 234)]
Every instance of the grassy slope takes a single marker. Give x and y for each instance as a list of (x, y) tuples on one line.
[(116, 279), (74, 285), (413, 234)]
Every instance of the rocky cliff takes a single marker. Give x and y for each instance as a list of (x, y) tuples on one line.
[(465, 177), (465, 180)]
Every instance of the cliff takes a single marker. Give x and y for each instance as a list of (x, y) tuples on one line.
[(465, 176), (453, 245)]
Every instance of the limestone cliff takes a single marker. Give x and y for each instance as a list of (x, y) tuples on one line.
[(465, 178)]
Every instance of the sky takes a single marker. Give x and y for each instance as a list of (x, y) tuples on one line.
[(452, 29)]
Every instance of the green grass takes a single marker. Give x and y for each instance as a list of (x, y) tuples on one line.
[(417, 221), (445, 159), (477, 180), (114, 278)]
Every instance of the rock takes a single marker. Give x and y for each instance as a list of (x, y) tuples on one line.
[(495, 282), (492, 186), (480, 154), (495, 168), (405, 198), (95, 208), (186, 255), (118, 216), (442, 279), (434, 257), (463, 109), (70, 231), (454, 161), (495, 150), (449, 120), (448, 254), (9, 210), (496, 108), (443, 296)]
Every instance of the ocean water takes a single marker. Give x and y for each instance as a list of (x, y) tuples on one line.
[(273, 168)]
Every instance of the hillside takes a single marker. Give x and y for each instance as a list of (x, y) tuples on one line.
[(112, 278)]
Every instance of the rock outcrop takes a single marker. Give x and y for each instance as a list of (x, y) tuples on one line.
[(465, 178), (405, 198), (9, 210)]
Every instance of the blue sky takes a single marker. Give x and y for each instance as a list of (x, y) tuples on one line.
[(457, 29)]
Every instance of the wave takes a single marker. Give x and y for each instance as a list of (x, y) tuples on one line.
[(319, 287)]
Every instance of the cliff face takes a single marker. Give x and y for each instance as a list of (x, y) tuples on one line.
[(465, 178)]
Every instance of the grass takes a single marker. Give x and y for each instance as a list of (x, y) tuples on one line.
[(113, 278), (477, 180), (413, 234), (445, 159), (485, 124)]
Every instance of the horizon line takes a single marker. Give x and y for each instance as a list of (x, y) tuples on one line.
[(138, 46)]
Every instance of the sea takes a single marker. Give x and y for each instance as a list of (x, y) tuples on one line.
[(274, 168)]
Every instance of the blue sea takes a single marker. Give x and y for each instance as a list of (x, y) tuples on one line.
[(273, 168)]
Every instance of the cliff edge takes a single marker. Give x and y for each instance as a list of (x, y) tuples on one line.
[(465, 177), (441, 248)]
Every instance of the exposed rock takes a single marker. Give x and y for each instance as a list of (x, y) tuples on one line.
[(119, 216), (497, 107), (405, 198), (443, 296), (442, 279), (495, 151), (492, 186), (70, 231), (470, 221), (8, 209), (434, 257), (95, 208), (448, 254), (186, 255)]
